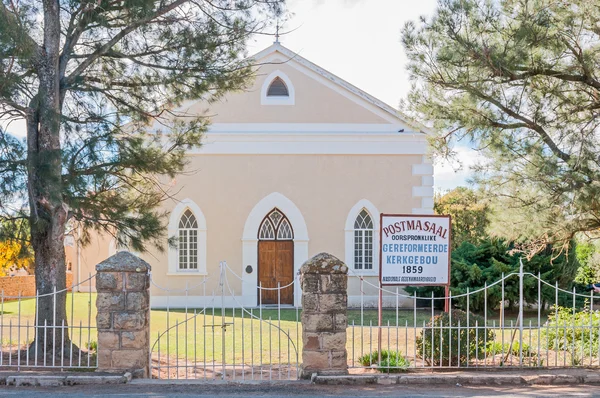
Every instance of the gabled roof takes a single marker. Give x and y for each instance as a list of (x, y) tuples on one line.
[(295, 57)]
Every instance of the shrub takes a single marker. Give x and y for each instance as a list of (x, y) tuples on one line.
[(92, 345), (576, 333), (495, 348), (370, 359), (439, 345), (391, 361)]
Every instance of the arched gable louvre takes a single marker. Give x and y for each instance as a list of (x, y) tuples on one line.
[(275, 226), (278, 89)]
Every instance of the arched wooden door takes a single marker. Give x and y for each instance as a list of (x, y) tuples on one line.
[(276, 259)]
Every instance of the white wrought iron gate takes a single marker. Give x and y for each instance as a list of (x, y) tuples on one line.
[(218, 338)]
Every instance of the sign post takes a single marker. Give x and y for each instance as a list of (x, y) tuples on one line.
[(414, 250)]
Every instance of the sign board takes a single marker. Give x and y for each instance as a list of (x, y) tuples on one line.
[(414, 249)]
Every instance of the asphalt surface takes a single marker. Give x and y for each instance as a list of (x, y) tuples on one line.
[(295, 389)]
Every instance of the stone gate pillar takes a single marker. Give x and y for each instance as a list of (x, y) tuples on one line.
[(324, 282), (123, 320)]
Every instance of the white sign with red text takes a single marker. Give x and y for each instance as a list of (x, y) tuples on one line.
[(415, 250)]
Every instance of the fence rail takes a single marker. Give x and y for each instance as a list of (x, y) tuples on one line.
[(28, 341), (517, 321), (545, 326)]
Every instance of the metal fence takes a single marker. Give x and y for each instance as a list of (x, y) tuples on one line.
[(519, 320), (222, 339), (31, 341)]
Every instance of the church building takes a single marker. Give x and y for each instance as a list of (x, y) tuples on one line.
[(301, 162)]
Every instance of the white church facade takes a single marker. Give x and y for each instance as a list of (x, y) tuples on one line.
[(300, 163)]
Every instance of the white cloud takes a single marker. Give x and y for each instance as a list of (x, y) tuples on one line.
[(451, 174), (15, 127)]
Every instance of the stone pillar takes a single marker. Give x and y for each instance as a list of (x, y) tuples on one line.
[(123, 320), (324, 282)]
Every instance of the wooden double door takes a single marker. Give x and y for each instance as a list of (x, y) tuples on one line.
[(276, 268)]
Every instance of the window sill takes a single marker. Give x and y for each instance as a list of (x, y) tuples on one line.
[(188, 273)]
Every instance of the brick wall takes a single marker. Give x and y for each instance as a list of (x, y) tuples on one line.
[(12, 285)]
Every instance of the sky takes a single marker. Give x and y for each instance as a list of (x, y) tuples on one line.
[(359, 41)]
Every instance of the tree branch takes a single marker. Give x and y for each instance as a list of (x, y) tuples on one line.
[(530, 123), (19, 34), (106, 47)]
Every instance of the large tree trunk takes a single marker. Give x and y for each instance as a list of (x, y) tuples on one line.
[(48, 211)]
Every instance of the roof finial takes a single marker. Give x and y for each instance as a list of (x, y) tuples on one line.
[(277, 33)]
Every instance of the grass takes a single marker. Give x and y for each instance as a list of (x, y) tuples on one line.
[(391, 361), (274, 340), (78, 320)]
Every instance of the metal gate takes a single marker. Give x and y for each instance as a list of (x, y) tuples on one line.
[(218, 338)]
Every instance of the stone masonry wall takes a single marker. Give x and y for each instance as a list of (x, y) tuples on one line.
[(123, 320), (324, 283)]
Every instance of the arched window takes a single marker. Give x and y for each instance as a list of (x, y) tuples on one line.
[(363, 241), (275, 226), (278, 88), (187, 242)]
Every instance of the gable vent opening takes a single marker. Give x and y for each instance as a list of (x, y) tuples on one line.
[(278, 89)]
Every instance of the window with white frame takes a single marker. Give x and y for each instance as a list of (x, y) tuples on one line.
[(363, 241), (187, 242)]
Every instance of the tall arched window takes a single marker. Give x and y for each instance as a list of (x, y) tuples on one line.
[(188, 241), (275, 226), (278, 88), (363, 241)]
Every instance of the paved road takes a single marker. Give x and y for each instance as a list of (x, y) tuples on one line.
[(296, 389)]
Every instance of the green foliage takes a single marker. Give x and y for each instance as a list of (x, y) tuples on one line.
[(475, 265), (469, 214), (440, 345), (518, 80), (92, 346), (112, 136), (496, 347), (391, 361), (588, 255), (574, 332)]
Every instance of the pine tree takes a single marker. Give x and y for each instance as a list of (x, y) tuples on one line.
[(100, 84), (521, 80)]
